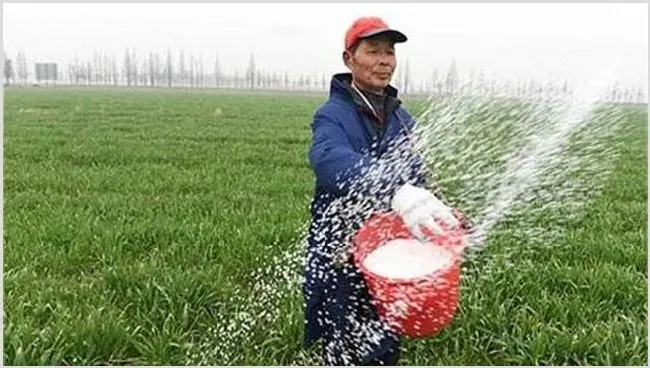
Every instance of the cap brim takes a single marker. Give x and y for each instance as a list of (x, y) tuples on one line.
[(393, 34)]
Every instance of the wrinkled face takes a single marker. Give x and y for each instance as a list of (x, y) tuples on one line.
[(372, 63)]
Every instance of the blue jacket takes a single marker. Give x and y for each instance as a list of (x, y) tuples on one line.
[(345, 149)]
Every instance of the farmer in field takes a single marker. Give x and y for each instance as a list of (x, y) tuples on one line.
[(355, 132)]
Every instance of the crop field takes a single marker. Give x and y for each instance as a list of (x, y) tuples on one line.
[(139, 227)]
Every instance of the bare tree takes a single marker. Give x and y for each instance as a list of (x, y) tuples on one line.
[(434, 81), (615, 92), (144, 74), (493, 86), (302, 82), (83, 73), (192, 83), (169, 69), (134, 68), (21, 67), (182, 73), (200, 68), (258, 77), (629, 94), (640, 95), (74, 71), (105, 69), (397, 76), (76, 68), (471, 80), (565, 87), (521, 89), (114, 71), (217, 72), (8, 71), (128, 65), (70, 73), (407, 77), (151, 70), (451, 81), (532, 86), (108, 69), (158, 69), (480, 81), (97, 68), (89, 72), (250, 72)]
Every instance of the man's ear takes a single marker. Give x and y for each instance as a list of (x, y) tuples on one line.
[(346, 58)]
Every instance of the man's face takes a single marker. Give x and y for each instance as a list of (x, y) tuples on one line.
[(372, 63)]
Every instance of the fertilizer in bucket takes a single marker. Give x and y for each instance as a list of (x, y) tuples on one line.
[(407, 259), (413, 284)]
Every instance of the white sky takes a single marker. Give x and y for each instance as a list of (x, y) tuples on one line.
[(513, 40)]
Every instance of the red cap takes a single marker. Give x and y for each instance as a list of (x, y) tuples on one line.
[(370, 26)]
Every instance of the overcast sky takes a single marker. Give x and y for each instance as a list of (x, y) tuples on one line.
[(512, 40)]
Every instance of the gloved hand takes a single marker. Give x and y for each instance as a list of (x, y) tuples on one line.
[(420, 208)]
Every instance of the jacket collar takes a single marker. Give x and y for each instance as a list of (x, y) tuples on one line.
[(340, 87)]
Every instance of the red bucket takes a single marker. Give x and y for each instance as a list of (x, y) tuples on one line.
[(419, 307)]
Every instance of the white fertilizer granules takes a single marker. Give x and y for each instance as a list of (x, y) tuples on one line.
[(406, 259)]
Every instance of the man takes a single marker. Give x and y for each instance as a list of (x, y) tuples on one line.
[(364, 161)]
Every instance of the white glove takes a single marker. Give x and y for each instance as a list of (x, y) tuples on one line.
[(419, 208)]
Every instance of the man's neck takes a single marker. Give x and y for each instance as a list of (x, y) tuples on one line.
[(360, 87)]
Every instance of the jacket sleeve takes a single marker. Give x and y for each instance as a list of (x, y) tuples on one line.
[(337, 166), (341, 170), (335, 163)]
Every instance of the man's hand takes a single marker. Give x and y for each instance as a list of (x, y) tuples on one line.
[(420, 208)]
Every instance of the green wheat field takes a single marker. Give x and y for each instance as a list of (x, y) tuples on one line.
[(131, 218)]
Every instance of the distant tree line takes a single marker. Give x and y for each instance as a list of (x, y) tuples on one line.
[(195, 71)]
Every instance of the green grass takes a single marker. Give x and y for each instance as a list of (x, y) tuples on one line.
[(133, 219)]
